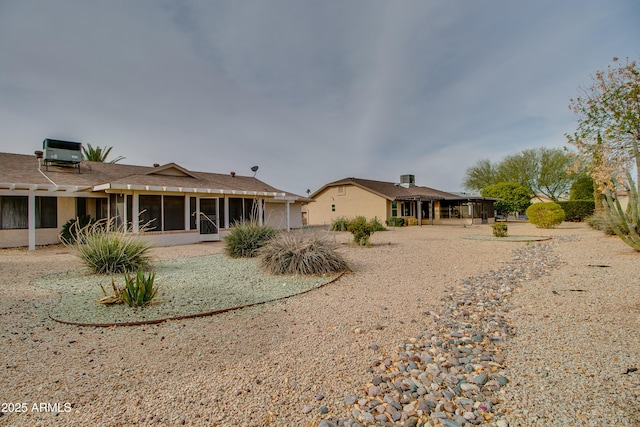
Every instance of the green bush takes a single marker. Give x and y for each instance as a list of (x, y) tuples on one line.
[(301, 253), (71, 228), (361, 230), (577, 210), (395, 221), (340, 224), (500, 229), (108, 252), (245, 239), (545, 215), (377, 225)]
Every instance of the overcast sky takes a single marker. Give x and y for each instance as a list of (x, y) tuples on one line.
[(311, 91)]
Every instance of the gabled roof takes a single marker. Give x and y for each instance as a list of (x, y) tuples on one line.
[(390, 190), (19, 171)]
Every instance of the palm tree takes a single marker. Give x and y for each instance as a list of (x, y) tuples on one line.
[(98, 154)]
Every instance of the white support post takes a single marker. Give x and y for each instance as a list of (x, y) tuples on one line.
[(187, 213), (419, 205), (31, 218), (260, 212), (288, 213), (226, 212), (135, 215)]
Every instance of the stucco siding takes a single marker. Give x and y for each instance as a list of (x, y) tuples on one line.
[(348, 201)]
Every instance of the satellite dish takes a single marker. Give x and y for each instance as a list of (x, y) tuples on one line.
[(254, 169)]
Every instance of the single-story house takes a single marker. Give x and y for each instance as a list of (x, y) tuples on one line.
[(352, 197), (38, 195)]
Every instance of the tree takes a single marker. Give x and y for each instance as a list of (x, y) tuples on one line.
[(480, 175), (608, 142), (582, 188), (98, 154), (544, 171), (515, 196)]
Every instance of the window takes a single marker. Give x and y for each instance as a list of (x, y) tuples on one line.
[(81, 206), (407, 209), (235, 210), (14, 213), (394, 208), (150, 212), (46, 212), (221, 223), (117, 202), (333, 208), (101, 208), (173, 211)]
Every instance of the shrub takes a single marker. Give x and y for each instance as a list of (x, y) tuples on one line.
[(377, 225), (500, 229), (545, 215), (361, 230), (599, 221), (412, 221), (301, 253), (138, 291), (395, 221), (71, 228), (107, 252), (340, 224), (245, 239), (577, 210)]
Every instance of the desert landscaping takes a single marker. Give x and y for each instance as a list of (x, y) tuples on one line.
[(462, 328)]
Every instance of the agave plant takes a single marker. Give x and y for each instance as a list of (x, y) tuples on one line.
[(139, 291)]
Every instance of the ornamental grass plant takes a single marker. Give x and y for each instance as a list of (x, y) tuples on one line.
[(246, 238), (301, 252), (106, 248)]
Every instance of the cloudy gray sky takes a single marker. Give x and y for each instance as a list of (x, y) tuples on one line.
[(311, 91)]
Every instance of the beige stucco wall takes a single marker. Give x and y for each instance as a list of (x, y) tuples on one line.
[(44, 236), (353, 202)]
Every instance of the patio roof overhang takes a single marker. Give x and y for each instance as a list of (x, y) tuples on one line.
[(16, 186), (114, 187)]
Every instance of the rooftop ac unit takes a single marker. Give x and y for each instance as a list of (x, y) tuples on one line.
[(62, 153)]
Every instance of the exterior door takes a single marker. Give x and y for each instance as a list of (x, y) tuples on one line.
[(209, 219)]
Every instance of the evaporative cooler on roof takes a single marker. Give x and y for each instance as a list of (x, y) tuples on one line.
[(62, 153)]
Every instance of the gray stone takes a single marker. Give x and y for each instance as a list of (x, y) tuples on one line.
[(411, 422), (480, 379), (323, 409), (327, 423), (350, 399)]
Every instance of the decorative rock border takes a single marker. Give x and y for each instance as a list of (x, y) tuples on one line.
[(451, 374)]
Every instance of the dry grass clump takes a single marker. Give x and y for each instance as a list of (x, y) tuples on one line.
[(107, 249), (301, 253)]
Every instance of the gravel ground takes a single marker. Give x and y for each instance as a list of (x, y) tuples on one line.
[(186, 287), (303, 360)]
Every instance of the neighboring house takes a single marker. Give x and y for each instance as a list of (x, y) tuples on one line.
[(38, 196), (352, 197)]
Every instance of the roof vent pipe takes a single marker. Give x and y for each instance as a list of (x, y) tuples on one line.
[(233, 174)]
